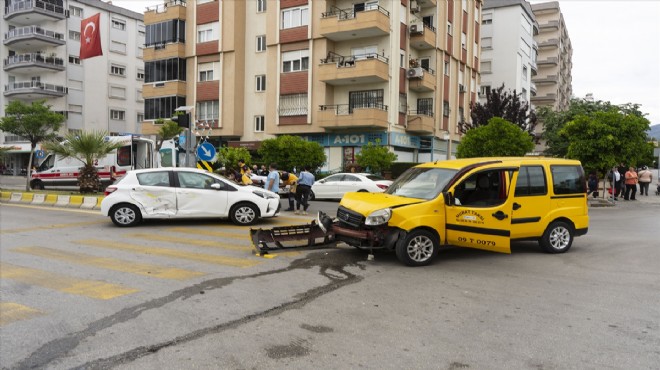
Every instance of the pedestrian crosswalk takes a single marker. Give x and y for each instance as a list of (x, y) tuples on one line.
[(169, 253)]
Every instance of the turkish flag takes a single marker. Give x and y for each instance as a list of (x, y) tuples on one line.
[(90, 37)]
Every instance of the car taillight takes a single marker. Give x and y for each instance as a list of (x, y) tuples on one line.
[(109, 190), (384, 187)]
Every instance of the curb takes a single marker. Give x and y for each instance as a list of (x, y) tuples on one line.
[(52, 200)]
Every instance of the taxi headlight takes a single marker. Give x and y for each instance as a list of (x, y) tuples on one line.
[(378, 217)]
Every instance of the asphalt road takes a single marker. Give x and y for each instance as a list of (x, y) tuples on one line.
[(78, 292)]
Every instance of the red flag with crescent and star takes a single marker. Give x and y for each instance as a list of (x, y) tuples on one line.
[(90, 37)]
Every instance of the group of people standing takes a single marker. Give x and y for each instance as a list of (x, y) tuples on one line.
[(624, 181), (300, 186)]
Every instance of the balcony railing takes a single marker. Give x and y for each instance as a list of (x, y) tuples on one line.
[(349, 13), (346, 109), (47, 87), (349, 61), (162, 8), (26, 5), (33, 31), (34, 58), (424, 112)]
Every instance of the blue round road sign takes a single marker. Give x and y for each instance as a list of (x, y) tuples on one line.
[(39, 153), (206, 151)]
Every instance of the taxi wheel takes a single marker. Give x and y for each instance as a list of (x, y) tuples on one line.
[(418, 248), (244, 214), (125, 215), (558, 237)]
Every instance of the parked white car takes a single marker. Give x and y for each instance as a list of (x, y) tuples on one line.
[(185, 193), (335, 186)]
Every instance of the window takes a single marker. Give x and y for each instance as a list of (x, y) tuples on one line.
[(117, 115), (261, 43), (260, 83), (293, 105), (446, 68), (161, 178), (162, 107), (206, 71), (261, 6), (403, 103), (74, 35), (140, 117), (524, 73), (486, 42), (568, 180), (117, 70), (524, 46), (486, 66), (365, 99), (138, 95), (75, 11), (74, 59), (75, 84), (463, 40), (482, 189), (159, 34), (297, 60), (208, 110), (445, 108), (259, 123), (196, 180), (117, 92), (487, 18), (119, 24), (295, 17), (531, 181), (75, 108), (118, 47), (449, 28), (207, 32), (165, 70), (425, 106), (140, 74), (485, 90), (523, 94), (141, 30)]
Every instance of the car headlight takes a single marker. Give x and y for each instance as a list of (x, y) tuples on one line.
[(378, 217), (265, 195)]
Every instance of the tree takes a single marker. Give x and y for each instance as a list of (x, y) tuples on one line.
[(168, 130), (554, 122), (229, 157), (34, 122), (601, 140), (499, 138), (503, 104), (292, 151), (87, 147), (377, 158)]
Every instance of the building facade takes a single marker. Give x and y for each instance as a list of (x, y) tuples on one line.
[(338, 72), (553, 81), (508, 49), (40, 51)]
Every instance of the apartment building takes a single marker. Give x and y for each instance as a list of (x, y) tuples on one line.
[(508, 49), (553, 80), (338, 72), (40, 51)]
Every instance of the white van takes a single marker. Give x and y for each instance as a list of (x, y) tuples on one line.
[(135, 153)]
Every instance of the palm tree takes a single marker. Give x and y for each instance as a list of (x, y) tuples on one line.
[(86, 147)]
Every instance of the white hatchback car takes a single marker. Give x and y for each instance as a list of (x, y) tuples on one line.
[(185, 193), (335, 186)]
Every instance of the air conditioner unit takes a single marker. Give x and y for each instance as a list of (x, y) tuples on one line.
[(461, 88), (415, 9), (417, 28), (415, 72)]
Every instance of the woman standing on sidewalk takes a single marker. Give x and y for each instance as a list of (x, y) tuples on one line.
[(645, 179), (631, 184)]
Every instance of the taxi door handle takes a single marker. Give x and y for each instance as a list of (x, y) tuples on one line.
[(500, 215), (516, 206)]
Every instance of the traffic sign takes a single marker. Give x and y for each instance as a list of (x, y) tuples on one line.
[(206, 151), (39, 154)]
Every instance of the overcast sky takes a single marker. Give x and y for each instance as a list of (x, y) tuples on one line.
[(616, 49)]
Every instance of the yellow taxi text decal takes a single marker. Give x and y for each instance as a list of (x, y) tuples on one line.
[(469, 216)]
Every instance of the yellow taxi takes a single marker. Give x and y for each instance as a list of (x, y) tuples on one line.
[(482, 203)]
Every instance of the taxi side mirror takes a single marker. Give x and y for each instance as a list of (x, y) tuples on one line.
[(449, 198)]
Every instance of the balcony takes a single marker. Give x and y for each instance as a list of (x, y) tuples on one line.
[(33, 63), (173, 9), (534, 67), (544, 99), (360, 69), (33, 38), (165, 88), (35, 90), (26, 12), (547, 80), (551, 43), (532, 89), (347, 24), (421, 79), (549, 26), (420, 122), (343, 116), (164, 51), (549, 61), (424, 4), (422, 36)]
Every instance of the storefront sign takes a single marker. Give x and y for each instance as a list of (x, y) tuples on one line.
[(353, 139), (404, 140)]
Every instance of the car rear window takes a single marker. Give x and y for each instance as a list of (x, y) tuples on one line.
[(375, 177), (568, 180), (154, 178)]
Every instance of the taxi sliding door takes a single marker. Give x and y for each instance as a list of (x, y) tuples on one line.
[(480, 216)]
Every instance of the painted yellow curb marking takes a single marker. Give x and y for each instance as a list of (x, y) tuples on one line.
[(11, 312)]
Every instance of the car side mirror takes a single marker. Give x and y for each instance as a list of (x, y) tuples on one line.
[(216, 186), (321, 181), (449, 198)]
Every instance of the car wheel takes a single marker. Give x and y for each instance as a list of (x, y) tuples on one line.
[(558, 237), (363, 191), (244, 214), (312, 196), (418, 248), (124, 215), (37, 185)]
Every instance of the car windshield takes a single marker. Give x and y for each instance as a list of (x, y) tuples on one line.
[(421, 182)]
